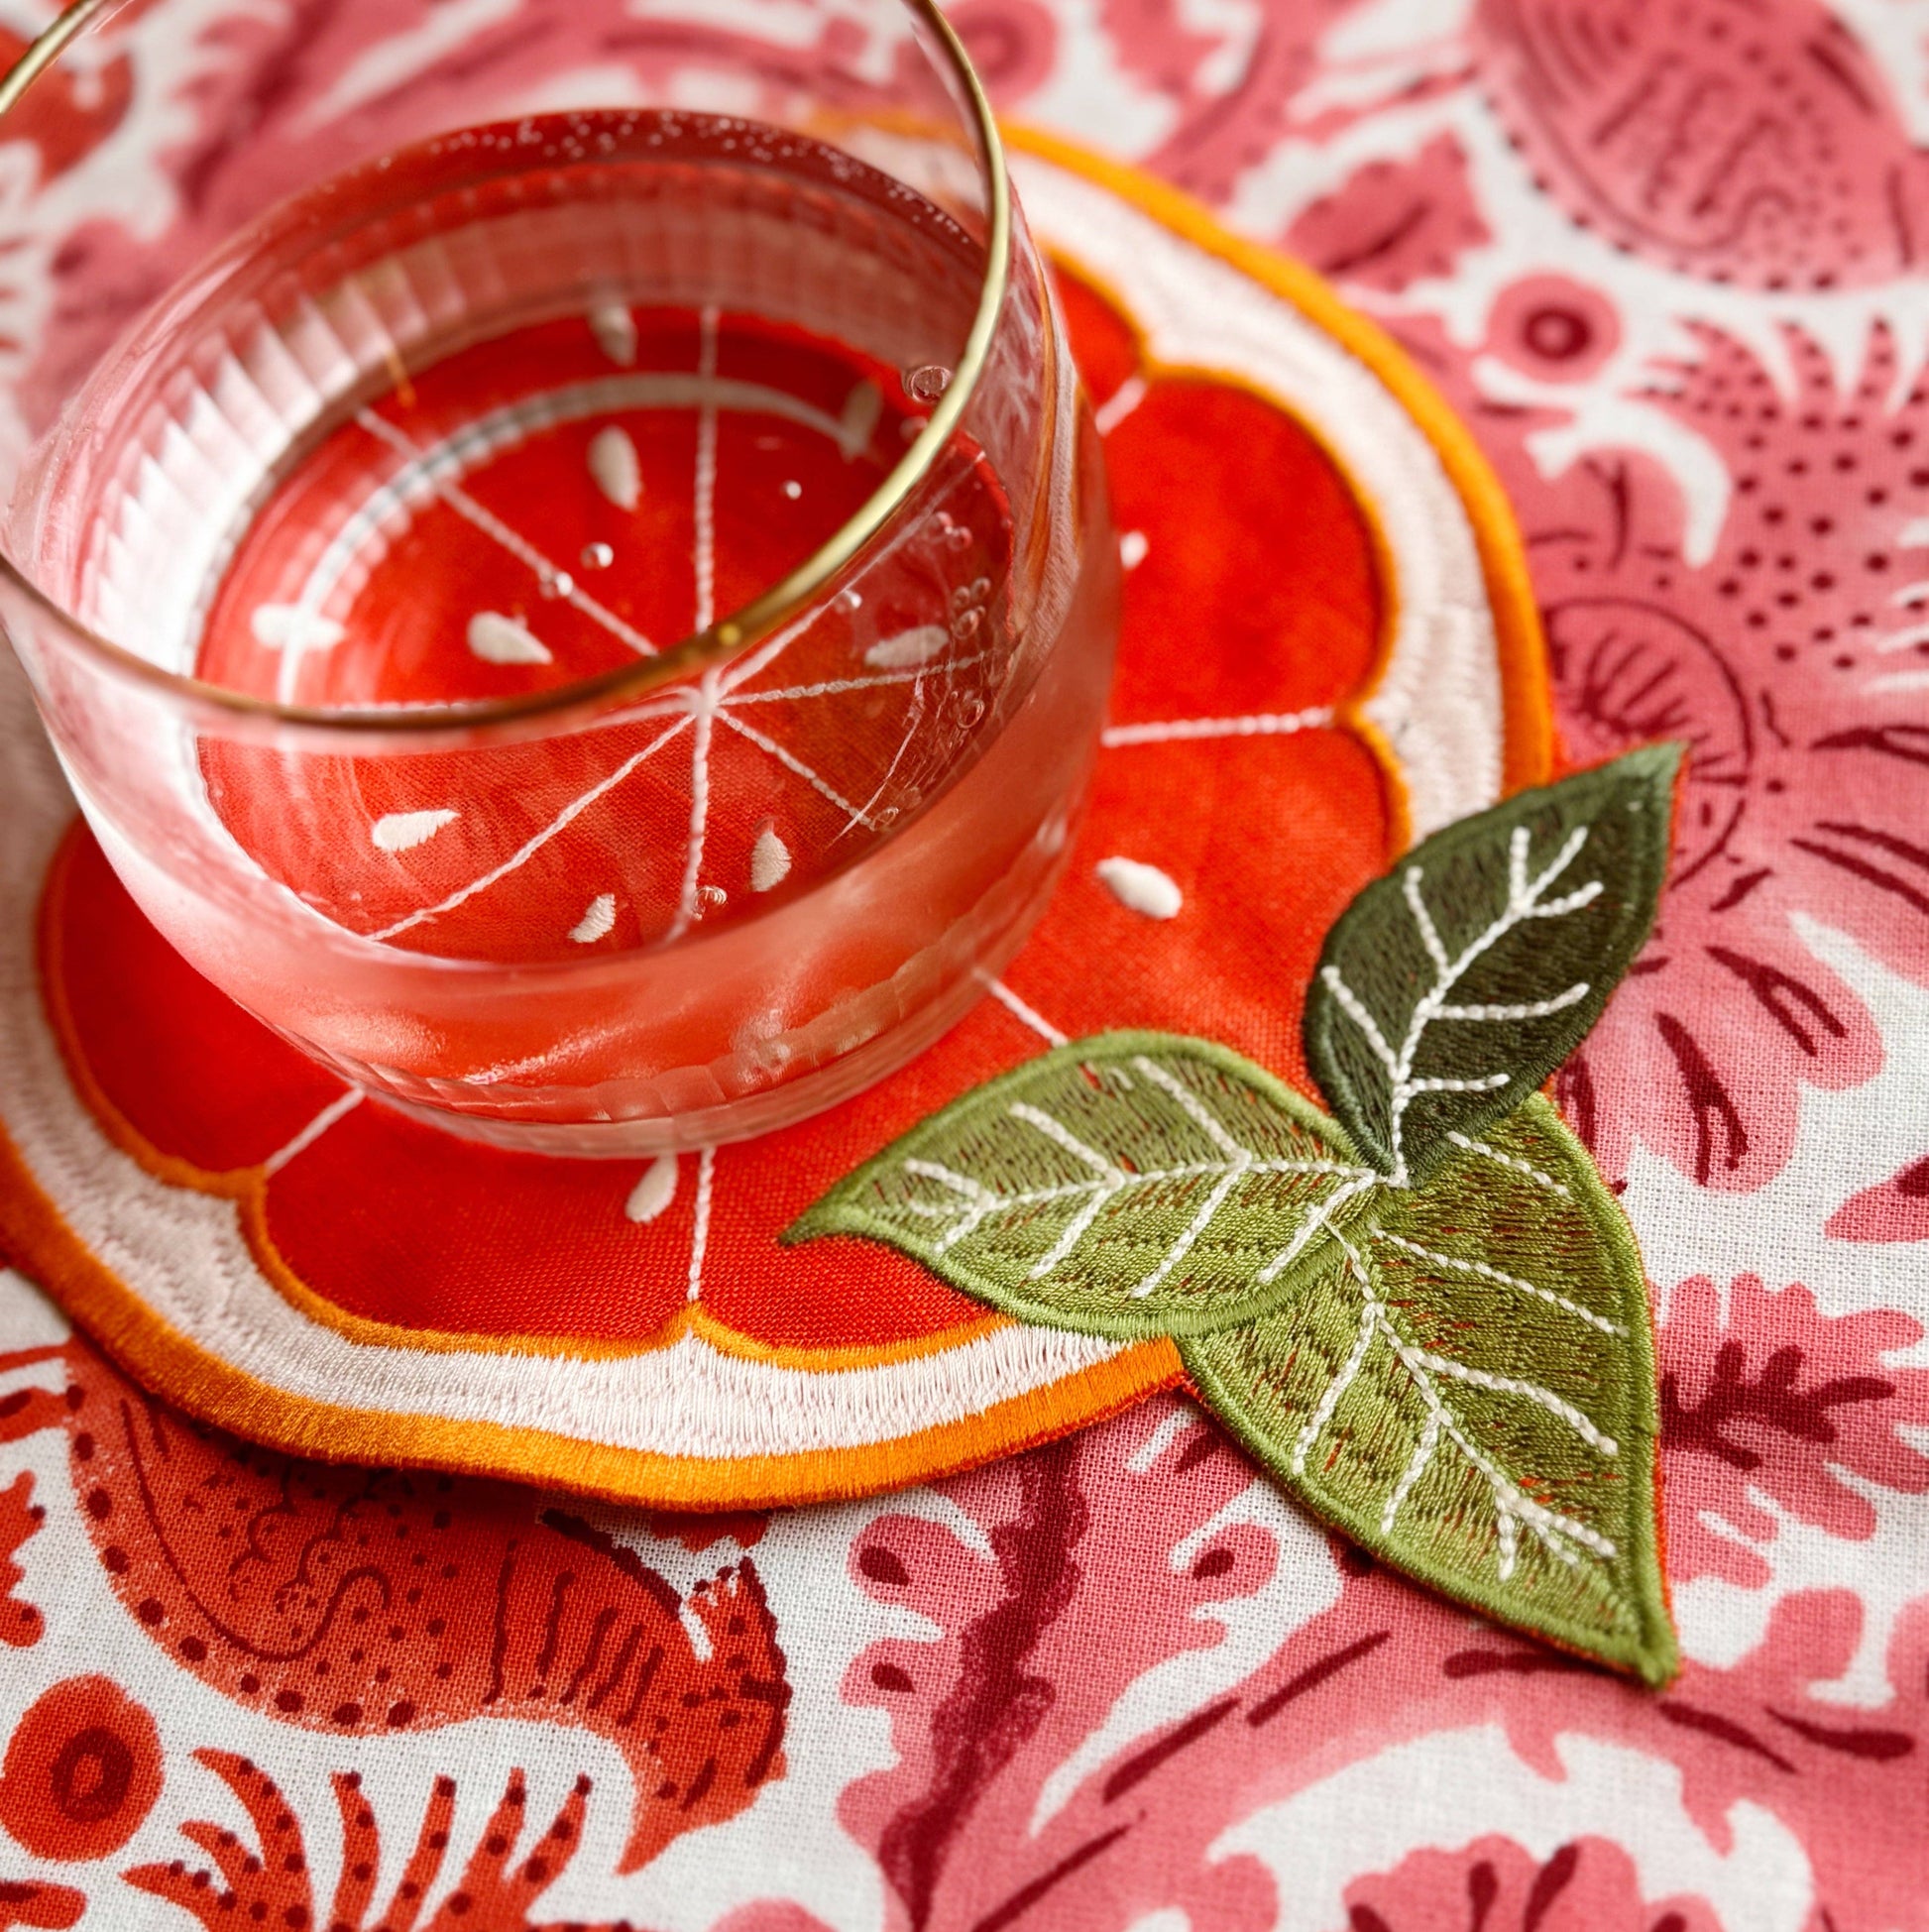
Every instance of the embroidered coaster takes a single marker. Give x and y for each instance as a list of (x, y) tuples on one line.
[(1329, 654)]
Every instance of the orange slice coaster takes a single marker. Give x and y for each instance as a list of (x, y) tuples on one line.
[(1328, 652)]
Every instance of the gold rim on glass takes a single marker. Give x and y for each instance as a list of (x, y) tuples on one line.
[(725, 639)]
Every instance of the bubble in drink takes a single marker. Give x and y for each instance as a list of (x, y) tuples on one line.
[(598, 556), (928, 383)]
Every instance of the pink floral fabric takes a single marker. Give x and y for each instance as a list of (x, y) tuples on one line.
[(1667, 262)]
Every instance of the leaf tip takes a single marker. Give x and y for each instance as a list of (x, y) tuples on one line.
[(1657, 1660), (820, 1218), (1652, 769), (1660, 760)]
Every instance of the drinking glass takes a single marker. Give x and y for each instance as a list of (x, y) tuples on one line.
[(558, 541)]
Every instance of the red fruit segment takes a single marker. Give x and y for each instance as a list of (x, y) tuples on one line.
[(529, 513), (187, 1070)]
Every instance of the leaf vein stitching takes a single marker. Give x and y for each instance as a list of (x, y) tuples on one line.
[(1487, 1273), (1513, 1161), (1512, 1505), (1524, 902)]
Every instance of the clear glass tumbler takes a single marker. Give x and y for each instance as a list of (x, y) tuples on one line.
[(558, 542)]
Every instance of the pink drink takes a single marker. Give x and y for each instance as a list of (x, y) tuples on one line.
[(517, 408)]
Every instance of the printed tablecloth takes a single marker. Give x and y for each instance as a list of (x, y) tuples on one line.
[(1663, 264)]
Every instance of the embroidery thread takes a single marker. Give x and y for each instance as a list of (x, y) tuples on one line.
[(1425, 1317)]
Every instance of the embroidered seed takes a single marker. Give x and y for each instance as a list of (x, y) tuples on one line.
[(402, 831), (770, 859), (908, 647), (1140, 888), (614, 466), (596, 921), (614, 329), (497, 639), (856, 426), (654, 1191), (294, 627)]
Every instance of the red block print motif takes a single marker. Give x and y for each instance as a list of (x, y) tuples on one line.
[(1757, 145), (355, 1601), (19, 1516), (1778, 1397), (1221, 131), (66, 115), (508, 1872), (27, 1902), (1394, 222), (81, 1773), (1080, 1595), (1494, 1886), (1895, 1211), (1035, 1650), (1792, 661), (1013, 43)]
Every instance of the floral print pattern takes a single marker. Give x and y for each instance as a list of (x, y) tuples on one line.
[(1113, 1683)]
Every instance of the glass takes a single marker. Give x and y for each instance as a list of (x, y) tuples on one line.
[(592, 619)]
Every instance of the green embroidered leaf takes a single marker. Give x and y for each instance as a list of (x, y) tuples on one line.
[(1450, 989), (1129, 1186), (1466, 1387)]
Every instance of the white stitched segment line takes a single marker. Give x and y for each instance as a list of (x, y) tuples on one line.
[(833, 687), (982, 1202), (1064, 1137), (1195, 1111), (493, 526), (704, 596), (1200, 1222), (1074, 1230), (343, 1103), (1429, 934), (1510, 1505), (1025, 1014), (699, 1222), (1505, 1280), (1271, 723), (791, 762), (688, 900), (1485, 1084), (534, 844), (1356, 1011), (1362, 1180)]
